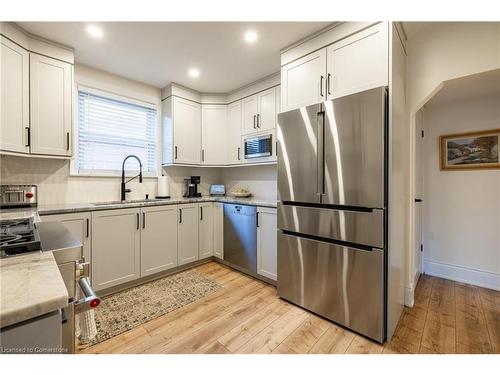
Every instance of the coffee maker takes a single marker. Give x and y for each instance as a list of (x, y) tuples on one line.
[(192, 187)]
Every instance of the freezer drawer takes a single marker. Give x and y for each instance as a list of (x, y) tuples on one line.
[(366, 228), (343, 284)]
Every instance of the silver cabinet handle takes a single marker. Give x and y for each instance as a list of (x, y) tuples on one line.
[(175, 152), (328, 77), (67, 141), (238, 153), (258, 120), (254, 121), (143, 220), (321, 85), (138, 221), (202, 155)]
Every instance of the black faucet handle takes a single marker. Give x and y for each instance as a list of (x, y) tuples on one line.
[(127, 191)]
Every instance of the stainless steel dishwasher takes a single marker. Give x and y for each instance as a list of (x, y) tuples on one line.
[(240, 236)]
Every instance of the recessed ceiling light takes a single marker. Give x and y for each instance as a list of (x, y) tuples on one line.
[(193, 72), (250, 36), (95, 31)]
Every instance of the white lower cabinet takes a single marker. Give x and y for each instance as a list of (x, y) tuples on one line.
[(158, 239), (206, 230), (187, 229), (116, 247), (79, 226), (218, 230), (267, 251)]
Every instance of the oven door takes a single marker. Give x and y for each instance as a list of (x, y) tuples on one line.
[(260, 146)]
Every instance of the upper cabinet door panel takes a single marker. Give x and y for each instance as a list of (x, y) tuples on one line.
[(214, 134), (249, 110), (233, 148), (187, 131), (51, 103), (267, 109), (303, 81), (14, 97), (359, 63)]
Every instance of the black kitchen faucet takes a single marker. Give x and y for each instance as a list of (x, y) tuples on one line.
[(123, 190)]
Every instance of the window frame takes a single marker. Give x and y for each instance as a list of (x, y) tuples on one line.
[(74, 171)]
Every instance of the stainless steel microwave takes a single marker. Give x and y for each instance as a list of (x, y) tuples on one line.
[(258, 146)]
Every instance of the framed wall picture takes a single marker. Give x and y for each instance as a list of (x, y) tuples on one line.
[(474, 150)]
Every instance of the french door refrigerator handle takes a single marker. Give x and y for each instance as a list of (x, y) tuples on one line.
[(320, 182)]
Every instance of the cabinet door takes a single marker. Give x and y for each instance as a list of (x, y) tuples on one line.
[(206, 230), (213, 134), (267, 248), (79, 226), (51, 102), (266, 117), (359, 63), (234, 150), (158, 239), (115, 247), (187, 249), (249, 109), (187, 131), (219, 230), (303, 81), (14, 94)]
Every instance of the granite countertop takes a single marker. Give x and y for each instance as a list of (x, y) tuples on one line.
[(31, 285), (19, 213), (61, 208)]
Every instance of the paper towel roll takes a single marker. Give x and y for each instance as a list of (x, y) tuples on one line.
[(163, 190)]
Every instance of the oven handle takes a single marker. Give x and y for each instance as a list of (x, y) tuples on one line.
[(90, 300)]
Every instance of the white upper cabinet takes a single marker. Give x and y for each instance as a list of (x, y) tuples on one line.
[(186, 120), (187, 249), (206, 230), (233, 149), (249, 110), (51, 85), (214, 133), (259, 112), (303, 81), (14, 97), (158, 239), (354, 64), (359, 62)]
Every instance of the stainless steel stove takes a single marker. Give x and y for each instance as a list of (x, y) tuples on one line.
[(17, 237)]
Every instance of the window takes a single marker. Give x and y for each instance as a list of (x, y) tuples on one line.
[(109, 129)]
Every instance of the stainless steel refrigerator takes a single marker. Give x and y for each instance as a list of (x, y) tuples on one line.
[(332, 210)]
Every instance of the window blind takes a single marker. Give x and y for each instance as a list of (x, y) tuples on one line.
[(109, 130)]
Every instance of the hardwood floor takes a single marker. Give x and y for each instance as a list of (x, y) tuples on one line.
[(246, 316)]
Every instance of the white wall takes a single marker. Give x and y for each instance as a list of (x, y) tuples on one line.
[(448, 50), (461, 208), (259, 180)]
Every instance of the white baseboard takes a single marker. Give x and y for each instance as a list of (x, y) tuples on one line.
[(462, 274)]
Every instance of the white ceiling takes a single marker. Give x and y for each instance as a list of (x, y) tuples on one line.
[(469, 87), (158, 53)]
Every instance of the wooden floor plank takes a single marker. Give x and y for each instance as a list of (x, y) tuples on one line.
[(247, 316)]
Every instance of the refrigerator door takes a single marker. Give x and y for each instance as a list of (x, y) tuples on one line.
[(364, 228), (300, 155), (341, 283), (355, 127)]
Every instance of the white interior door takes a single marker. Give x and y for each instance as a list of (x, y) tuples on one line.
[(14, 95), (419, 187)]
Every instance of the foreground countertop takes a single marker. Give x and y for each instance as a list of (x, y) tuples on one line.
[(19, 213), (63, 208), (31, 286)]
